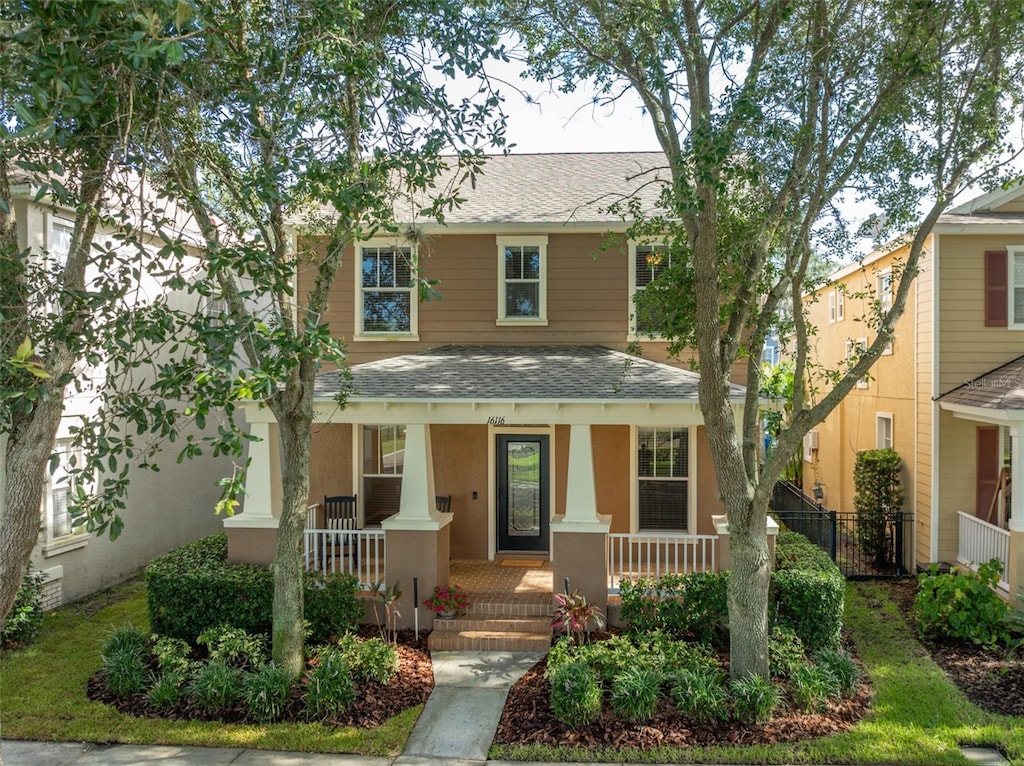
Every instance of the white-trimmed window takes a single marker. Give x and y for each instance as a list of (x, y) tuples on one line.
[(646, 263), (883, 430), (60, 532), (832, 307), (883, 288), (383, 464), (522, 280), (386, 304), (840, 304), (854, 348), (1015, 253), (663, 479), (810, 446)]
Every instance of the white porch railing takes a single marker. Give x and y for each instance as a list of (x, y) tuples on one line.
[(631, 556), (360, 552), (980, 541)]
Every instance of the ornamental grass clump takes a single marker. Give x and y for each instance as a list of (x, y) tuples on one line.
[(329, 686), (841, 665), (266, 691), (167, 691), (575, 695), (216, 688), (812, 686), (754, 699), (635, 694), (700, 694)]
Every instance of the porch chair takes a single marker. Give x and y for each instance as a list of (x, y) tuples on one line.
[(341, 515), (444, 503)]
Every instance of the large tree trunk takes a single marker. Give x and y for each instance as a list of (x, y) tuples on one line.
[(748, 588), (294, 425)]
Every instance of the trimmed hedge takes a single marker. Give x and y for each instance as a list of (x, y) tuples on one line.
[(194, 588), (807, 596)]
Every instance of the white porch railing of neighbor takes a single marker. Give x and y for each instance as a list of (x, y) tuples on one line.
[(352, 551), (653, 555), (980, 541)]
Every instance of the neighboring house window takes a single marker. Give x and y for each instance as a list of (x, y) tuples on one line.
[(810, 446), (59, 529), (522, 280), (832, 307), (854, 348), (840, 305), (646, 263), (386, 299), (1016, 273), (383, 462), (883, 289), (663, 478), (883, 430)]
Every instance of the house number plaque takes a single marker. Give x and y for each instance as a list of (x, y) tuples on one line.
[(496, 420)]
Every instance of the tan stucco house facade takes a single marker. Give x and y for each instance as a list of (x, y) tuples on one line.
[(948, 395), (527, 391)]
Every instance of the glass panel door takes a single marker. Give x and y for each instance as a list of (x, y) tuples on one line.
[(522, 493)]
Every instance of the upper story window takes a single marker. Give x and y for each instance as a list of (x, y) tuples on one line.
[(522, 280), (883, 430), (1016, 270), (386, 304), (840, 305), (646, 263), (883, 288), (832, 307), (854, 348)]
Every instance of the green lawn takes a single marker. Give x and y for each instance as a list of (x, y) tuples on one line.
[(42, 689), (918, 717)]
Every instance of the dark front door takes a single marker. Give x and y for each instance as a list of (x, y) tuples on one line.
[(522, 493)]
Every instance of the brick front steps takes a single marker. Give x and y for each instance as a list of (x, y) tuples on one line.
[(497, 624)]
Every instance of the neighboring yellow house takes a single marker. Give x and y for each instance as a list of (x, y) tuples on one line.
[(949, 398), (512, 394)]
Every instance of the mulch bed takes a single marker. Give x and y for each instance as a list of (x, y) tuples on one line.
[(374, 705)]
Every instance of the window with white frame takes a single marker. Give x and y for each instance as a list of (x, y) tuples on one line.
[(883, 288), (854, 348), (663, 479), (883, 430), (840, 304), (646, 263), (60, 487), (832, 307), (522, 280), (1016, 291), (383, 464), (386, 298)]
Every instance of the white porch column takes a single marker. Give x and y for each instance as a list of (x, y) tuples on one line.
[(263, 491), (580, 494), (1017, 478), (417, 509)]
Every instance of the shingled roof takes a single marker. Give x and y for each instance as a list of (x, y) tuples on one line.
[(517, 374), (999, 389)]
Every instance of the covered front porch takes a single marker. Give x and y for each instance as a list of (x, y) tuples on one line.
[(592, 461), (987, 413)]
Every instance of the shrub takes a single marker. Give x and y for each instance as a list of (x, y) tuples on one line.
[(687, 606), (172, 654), (329, 686), (26, 615), (194, 588), (754, 699), (234, 646), (266, 691), (963, 605), (167, 691), (575, 695), (700, 694), (785, 651), (811, 686), (216, 688), (372, 659), (878, 495), (330, 605), (842, 666), (808, 592), (635, 693)]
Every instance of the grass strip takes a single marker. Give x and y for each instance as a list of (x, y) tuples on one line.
[(918, 718), (43, 688)]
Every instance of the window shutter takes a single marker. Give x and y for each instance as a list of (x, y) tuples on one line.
[(996, 288)]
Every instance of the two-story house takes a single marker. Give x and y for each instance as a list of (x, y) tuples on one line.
[(948, 394), (164, 509), (529, 395)]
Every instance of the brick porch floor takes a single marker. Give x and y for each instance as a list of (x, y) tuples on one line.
[(487, 580)]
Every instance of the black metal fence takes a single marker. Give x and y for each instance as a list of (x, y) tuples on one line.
[(863, 546)]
